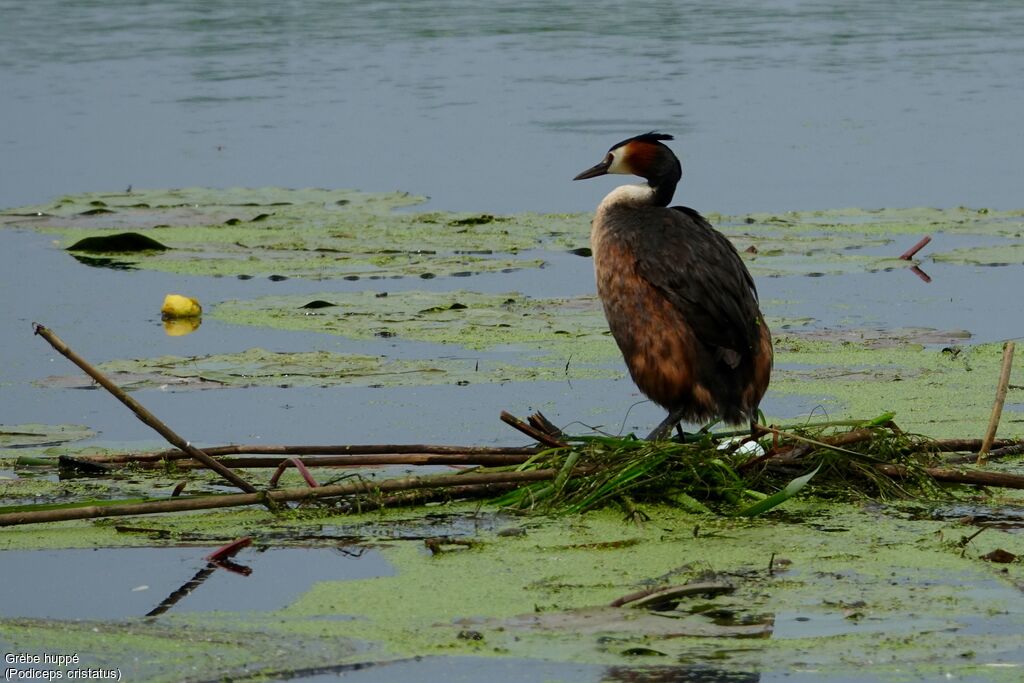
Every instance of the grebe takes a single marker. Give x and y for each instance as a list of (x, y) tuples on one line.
[(679, 301)]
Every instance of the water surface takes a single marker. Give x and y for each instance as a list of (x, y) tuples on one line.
[(777, 105)]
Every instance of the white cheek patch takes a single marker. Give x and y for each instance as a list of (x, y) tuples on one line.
[(619, 164)]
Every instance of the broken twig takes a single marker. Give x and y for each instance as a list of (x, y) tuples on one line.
[(534, 433), (909, 253)]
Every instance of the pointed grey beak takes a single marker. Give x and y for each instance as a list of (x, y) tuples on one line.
[(594, 171)]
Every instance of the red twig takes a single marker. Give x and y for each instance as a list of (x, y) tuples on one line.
[(920, 273), (909, 253), (229, 550), (299, 466)]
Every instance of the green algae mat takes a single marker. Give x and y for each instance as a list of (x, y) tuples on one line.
[(325, 234), (827, 589), (897, 589)]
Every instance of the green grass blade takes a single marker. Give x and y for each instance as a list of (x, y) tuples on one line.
[(792, 488)]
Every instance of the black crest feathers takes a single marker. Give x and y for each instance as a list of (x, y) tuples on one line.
[(646, 137)]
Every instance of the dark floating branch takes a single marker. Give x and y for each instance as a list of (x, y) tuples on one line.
[(303, 451), (654, 598), (972, 477), (360, 487)]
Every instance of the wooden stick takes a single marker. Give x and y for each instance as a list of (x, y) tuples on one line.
[(649, 596), (275, 496), (430, 455), (1015, 449), (140, 412), (546, 439), (909, 253), (962, 445), (303, 451), (972, 477), (997, 407), (539, 421), (497, 460)]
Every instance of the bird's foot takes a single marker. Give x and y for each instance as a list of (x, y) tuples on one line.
[(665, 428)]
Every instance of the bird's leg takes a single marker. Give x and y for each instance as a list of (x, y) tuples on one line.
[(663, 429)]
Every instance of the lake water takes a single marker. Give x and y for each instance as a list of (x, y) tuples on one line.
[(493, 107), (489, 107)]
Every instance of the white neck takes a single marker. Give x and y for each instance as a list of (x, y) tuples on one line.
[(628, 194)]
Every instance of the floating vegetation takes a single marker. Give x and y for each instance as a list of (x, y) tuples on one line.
[(313, 234), (260, 367), (469, 319), (325, 234)]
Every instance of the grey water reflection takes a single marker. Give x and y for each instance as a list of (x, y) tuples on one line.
[(492, 106)]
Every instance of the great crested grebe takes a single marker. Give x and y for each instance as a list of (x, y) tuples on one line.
[(678, 298)]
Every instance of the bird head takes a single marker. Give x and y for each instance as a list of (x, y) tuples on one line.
[(643, 156)]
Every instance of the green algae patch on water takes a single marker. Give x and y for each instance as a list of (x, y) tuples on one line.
[(884, 222), (162, 650), (1007, 254), (857, 240), (323, 234), (556, 327), (316, 234), (849, 582), (939, 392), (259, 367), (833, 584)]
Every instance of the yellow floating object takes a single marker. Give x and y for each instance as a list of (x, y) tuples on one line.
[(178, 306)]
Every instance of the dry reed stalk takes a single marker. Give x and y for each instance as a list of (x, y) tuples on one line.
[(148, 418), (997, 406)]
